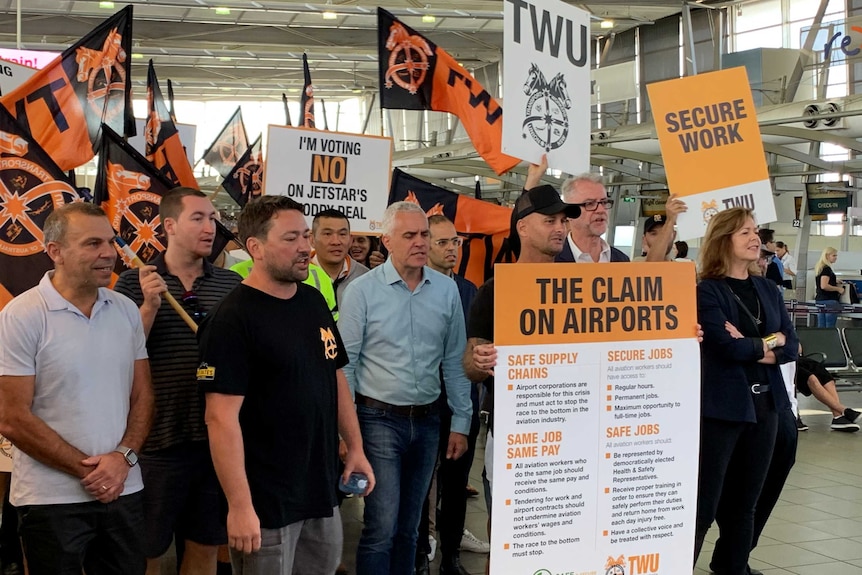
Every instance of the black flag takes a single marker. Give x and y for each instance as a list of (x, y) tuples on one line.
[(245, 181), (229, 145), (306, 103)]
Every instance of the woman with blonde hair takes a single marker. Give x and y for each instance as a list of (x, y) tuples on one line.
[(828, 288), (747, 334)]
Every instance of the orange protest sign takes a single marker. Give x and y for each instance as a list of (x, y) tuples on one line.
[(708, 132), (541, 304)]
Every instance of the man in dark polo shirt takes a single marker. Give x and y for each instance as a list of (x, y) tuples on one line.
[(181, 496)]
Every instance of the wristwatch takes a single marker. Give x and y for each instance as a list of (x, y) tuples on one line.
[(771, 341), (128, 454)]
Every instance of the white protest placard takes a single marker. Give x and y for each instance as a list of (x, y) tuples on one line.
[(596, 419), (13, 75), (323, 170), (546, 73)]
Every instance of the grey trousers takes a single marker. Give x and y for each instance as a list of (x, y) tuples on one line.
[(310, 547)]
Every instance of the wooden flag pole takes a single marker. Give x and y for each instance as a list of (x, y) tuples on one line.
[(136, 262)]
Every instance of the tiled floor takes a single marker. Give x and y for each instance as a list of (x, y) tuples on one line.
[(816, 529)]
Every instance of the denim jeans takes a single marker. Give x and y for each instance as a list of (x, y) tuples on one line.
[(825, 319), (401, 451)]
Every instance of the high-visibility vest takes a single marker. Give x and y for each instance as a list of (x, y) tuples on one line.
[(317, 278)]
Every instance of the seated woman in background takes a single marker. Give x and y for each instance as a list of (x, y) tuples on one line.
[(828, 288), (747, 334), (813, 379)]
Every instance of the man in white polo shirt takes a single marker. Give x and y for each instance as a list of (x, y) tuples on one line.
[(75, 400)]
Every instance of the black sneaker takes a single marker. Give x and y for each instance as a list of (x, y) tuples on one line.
[(844, 424), (800, 425), (851, 414)]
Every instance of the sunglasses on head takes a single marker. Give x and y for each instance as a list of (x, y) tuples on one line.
[(193, 306)]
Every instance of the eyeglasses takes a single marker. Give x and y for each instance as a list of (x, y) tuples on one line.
[(593, 205), (456, 242), (193, 305)]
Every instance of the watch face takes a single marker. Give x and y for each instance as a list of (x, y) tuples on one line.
[(131, 458)]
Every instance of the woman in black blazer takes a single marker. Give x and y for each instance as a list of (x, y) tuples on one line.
[(747, 334)]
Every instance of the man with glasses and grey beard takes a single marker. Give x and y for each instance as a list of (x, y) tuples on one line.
[(584, 243), (181, 497)]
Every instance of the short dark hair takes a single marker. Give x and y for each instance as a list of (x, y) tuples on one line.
[(681, 249), (766, 235), (438, 219), (255, 219), (328, 213), (57, 222), (171, 205), (780, 244)]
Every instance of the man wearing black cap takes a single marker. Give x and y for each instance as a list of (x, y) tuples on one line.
[(659, 233), (538, 233)]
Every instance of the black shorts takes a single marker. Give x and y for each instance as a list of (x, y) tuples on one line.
[(805, 368), (182, 496), (101, 538)]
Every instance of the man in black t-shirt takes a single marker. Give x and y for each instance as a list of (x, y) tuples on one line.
[(276, 401)]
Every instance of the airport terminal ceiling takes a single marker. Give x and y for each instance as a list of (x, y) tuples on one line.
[(251, 51)]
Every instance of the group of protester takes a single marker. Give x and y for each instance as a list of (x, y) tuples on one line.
[(250, 424)]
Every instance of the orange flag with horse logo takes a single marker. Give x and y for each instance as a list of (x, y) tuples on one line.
[(164, 148), (31, 187), (416, 74), (65, 104), (130, 189)]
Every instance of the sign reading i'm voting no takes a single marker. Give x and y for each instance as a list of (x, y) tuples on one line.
[(711, 147), (323, 170)]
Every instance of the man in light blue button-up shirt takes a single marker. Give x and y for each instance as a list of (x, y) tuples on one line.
[(403, 326)]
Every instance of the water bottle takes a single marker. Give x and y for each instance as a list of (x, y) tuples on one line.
[(356, 484)]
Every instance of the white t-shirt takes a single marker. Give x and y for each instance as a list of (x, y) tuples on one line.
[(84, 369), (789, 262)]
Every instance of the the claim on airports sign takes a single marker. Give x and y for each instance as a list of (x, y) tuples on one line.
[(711, 147)]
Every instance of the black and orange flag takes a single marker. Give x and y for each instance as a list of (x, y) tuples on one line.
[(130, 189), (65, 104), (483, 225), (416, 74), (171, 107), (245, 181), (286, 110), (164, 149), (229, 145), (306, 102), (31, 187)]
